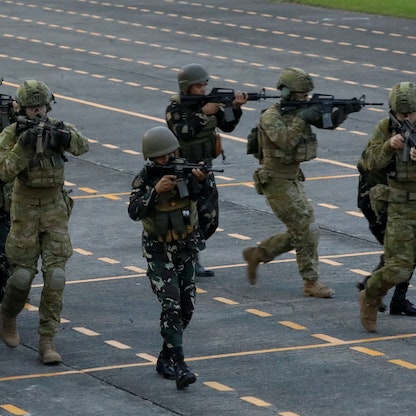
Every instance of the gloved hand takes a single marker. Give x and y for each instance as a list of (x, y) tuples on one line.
[(60, 137), (352, 107), (28, 138), (312, 114)]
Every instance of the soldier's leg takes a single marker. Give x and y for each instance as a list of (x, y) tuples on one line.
[(399, 252), (56, 249), (22, 249)]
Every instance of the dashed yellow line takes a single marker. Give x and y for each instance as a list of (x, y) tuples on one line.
[(255, 401), (14, 410), (368, 351)]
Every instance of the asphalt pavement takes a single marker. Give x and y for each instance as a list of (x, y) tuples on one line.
[(257, 350)]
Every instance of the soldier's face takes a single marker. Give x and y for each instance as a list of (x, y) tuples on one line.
[(164, 159), (198, 89), (407, 116), (33, 112), (300, 96)]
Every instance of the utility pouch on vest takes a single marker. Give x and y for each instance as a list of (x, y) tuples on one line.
[(261, 177), (306, 149), (379, 198)]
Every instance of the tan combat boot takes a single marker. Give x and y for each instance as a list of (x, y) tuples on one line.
[(253, 257), (368, 312), (47, 353), (8, 331), (317, 289)]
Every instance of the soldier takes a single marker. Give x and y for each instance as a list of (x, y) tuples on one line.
[(195, 126), (399, 304), (171, 239), (40, 210), (286, 140), (8, 112), (387, 146)]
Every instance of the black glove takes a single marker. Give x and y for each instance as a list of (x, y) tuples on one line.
[(312, 114), (353, 107), (28, 138), (60, 136)]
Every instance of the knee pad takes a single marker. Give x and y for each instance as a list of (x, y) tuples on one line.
[(21, 279), (57, 279)]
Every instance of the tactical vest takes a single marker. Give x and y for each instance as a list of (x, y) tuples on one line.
[(44, 171), (304, 151), (174, 218), (202, 146)]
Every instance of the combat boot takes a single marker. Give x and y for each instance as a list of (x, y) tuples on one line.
[(361, 286), (253, 257), (368, 312), (164, 365), (47, 353), (8, 329), (399, 304), (317, 289), (183, 375)]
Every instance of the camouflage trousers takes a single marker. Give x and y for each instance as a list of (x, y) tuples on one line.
[(288, 200), (38, 231), (399, 250), (172, 278)]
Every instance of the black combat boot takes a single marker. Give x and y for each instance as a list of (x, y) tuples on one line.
[(200, 270), (164, 365), (399, 304), (183, 375)]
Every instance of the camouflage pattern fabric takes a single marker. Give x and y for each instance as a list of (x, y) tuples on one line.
[(288, 200)]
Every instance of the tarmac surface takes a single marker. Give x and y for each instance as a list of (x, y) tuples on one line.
[(258, 350)]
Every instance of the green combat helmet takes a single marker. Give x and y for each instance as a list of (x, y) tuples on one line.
[(158, 141), (34, 93), (191, 74), (294, 80), (402, 98)]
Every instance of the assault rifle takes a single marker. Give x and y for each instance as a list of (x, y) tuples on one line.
[(6, 110), (181, 169), (326, 103), (408, 132), (225, 96), (44, 128)]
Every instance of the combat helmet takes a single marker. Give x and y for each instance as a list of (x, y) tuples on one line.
[(33, 93), (402, 98), (294, 80), (191, 74), (158, 141)]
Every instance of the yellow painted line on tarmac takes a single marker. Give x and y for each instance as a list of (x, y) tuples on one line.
[(327, 338), (14, 410), (368, 351), (355, 214), (255, 401), (360, 272), (404, 364), (226, 301), (293, 325), (239, 236), (330, 262), (135, 269), (108, 260), (329, 206), (152, 359), (217, 386), (30, 307), (220, 356), (199, 290), (89, 190), (85, 331), (288, 414), (259, 313), (117, 344), (83, 252)]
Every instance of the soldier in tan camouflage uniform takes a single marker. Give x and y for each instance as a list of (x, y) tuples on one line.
[(40, 210), (286, 140), (386, 146)]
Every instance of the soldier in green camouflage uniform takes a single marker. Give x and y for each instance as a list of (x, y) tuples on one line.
[(195, 126), (387, 146), (171, 240), (7, 116), (286, 141), (40, 210)]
